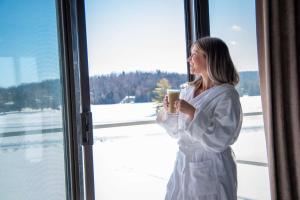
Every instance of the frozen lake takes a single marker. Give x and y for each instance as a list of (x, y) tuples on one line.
[(131, 162)]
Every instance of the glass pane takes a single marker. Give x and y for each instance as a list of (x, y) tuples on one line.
[(32, 162), (234, 22), (136, 50)]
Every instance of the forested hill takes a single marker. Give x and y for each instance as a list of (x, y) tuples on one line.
[(106, 89), (113, 88)]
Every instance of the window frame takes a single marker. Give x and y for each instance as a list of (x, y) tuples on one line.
[(196, 24), (75, 81)]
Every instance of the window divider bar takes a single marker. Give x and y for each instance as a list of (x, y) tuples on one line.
[(96, 126), (188, 32), (201, 10)]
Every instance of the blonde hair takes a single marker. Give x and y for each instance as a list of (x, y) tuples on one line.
[(220, 66)]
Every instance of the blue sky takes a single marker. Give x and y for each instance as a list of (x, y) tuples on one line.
[(28, 42), (234, 22), (133, 35), (122, 36)]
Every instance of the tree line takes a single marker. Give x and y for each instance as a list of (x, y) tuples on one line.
[(107, 89), (112, 88), (42, 95)]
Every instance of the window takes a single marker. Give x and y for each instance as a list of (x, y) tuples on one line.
[(234, 22), (132, 47), (32, 161)]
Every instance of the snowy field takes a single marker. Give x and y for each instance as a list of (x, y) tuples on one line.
[(132, 162), (28, 120)]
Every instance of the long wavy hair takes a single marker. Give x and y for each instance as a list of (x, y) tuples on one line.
[(220, 66)]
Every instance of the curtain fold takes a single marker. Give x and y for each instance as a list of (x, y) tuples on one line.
[(278, 38)]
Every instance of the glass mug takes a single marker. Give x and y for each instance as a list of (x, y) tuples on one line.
[(173, 95)]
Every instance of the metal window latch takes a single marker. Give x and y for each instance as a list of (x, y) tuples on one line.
[(87, 128)]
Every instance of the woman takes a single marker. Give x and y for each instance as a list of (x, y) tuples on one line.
[(209, 121)]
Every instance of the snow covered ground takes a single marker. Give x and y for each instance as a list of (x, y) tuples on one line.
[(137, 164), (36, 120), (132, 162)]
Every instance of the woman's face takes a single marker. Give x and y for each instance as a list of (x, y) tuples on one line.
[(198, 61)]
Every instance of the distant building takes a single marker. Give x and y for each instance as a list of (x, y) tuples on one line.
[(128, 99)]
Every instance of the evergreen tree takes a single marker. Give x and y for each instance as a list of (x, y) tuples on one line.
[(160, 92)]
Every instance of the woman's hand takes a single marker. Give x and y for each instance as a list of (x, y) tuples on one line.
[(166, 103), (186, 108)]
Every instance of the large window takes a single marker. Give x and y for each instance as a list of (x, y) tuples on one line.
[(136, 50), (32, 164), (234, 22)]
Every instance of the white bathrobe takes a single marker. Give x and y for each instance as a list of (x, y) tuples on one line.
[(205, 167)]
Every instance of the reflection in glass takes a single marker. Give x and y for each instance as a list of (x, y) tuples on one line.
[(31, 133)]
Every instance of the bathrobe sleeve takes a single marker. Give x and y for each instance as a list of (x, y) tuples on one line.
[(218, 125), (169, 122)]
